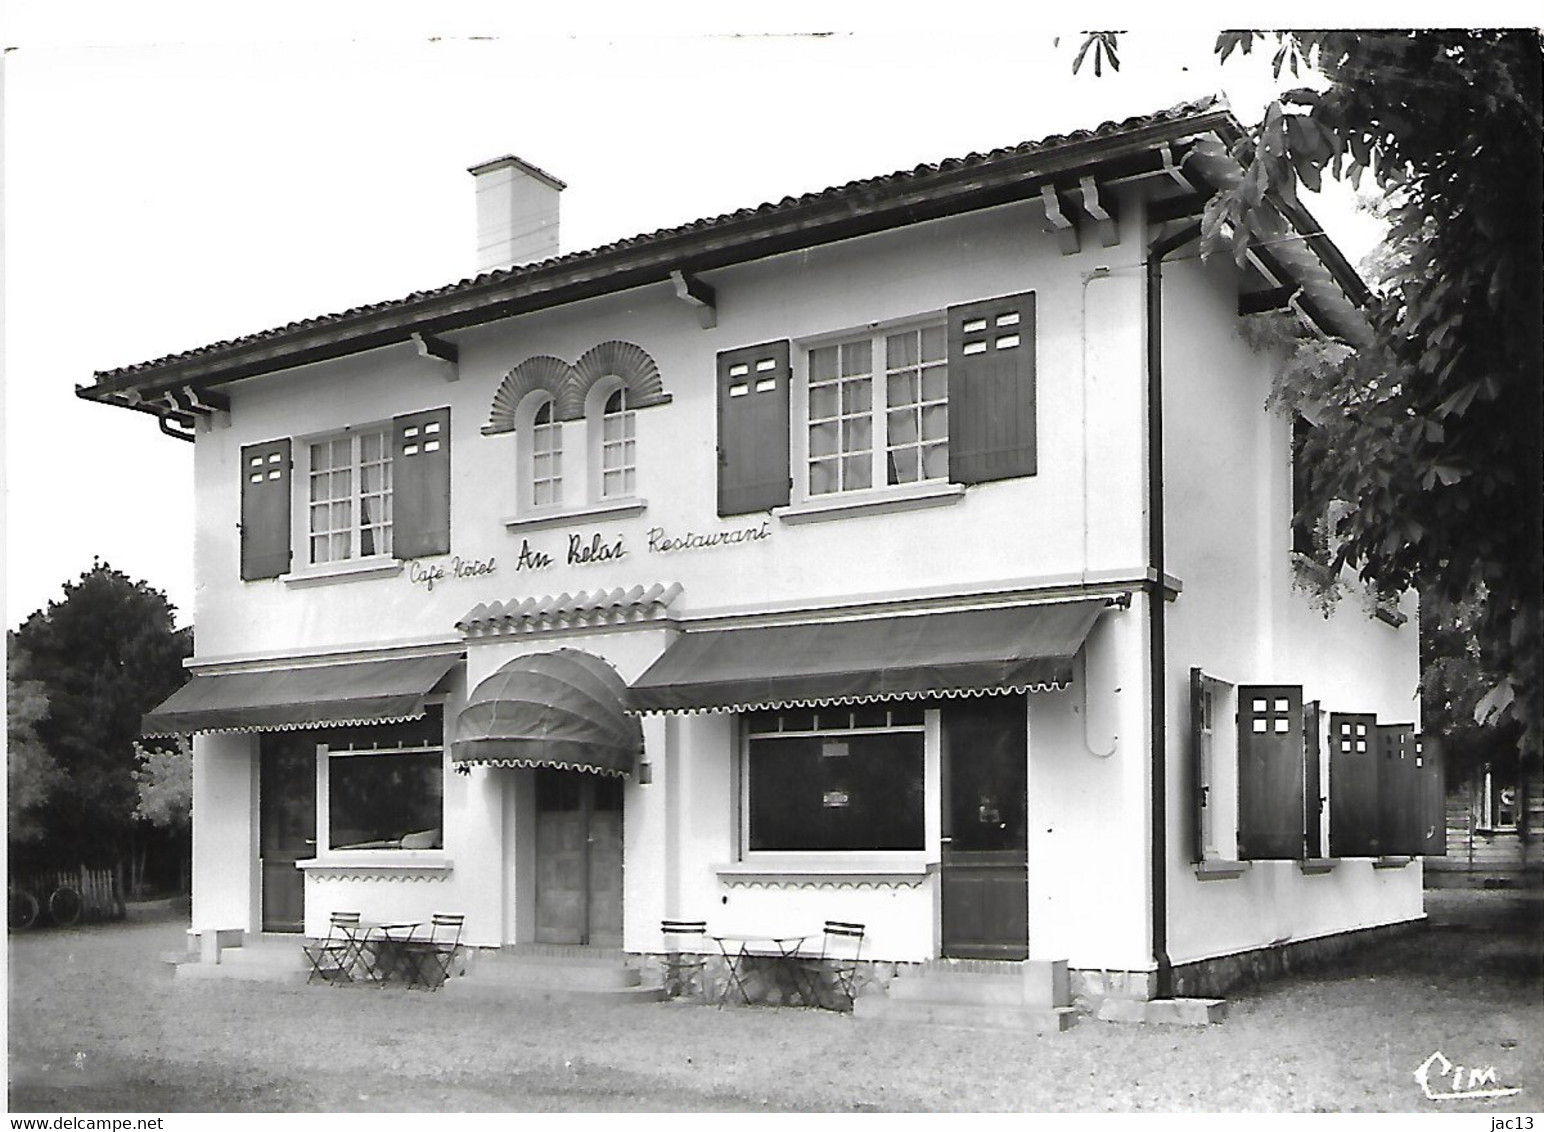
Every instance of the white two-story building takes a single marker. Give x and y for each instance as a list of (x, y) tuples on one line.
[(917, 553)]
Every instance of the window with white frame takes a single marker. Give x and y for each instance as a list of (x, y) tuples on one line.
[(843, 779), (350, 497), (877, 410), (618, 447), (381, 786), (546, 481)]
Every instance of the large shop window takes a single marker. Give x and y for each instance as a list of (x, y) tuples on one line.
[(947, 397), (383, 785), (375, 492), (849, 779)]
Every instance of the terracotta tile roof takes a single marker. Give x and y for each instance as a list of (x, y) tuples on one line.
[(562, 611), (860, 193)]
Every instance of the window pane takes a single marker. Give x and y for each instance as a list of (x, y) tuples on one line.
[(901, 350), (857, 473), (387, 801), (822, 402), (823, 363), (857, 357), (935, 422), (935, 462), (935, 343), (856, 434), (903, 465), (822, 477), (903, 427), (823, 439), (846, 792), (935, 383), (857, 396), (902, 388)]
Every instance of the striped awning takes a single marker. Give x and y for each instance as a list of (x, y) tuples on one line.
[(1025, 648), (564, 709), (288, 699)]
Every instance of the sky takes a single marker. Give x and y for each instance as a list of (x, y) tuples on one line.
[(177, 174)]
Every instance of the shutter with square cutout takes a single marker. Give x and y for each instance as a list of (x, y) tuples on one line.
[(753, 400), (265, 510), (420, 484), (1431, 767), (992, 389), (1354, 818), (1270, 772), (1399, 790)]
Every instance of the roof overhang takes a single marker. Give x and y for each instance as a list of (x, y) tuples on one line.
[(1123, 151)]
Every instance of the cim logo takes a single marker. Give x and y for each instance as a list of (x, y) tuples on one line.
[(1466, 1083)]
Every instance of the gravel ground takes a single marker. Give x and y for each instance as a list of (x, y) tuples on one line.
[(97, 1024)]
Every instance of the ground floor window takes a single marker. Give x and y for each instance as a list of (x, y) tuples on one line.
[(1498, 803), (382, 785), (847, 778)]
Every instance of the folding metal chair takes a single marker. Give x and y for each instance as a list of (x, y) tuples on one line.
[(686, 956), (333, 958), (840, 947), (431, 960)]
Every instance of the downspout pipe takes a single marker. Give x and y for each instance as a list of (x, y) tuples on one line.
[(1157, 600)]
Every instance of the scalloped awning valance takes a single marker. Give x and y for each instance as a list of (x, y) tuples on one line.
[(288, 699), (565, 709), (1023, 648)]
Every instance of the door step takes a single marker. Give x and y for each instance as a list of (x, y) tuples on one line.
[(974, 1016), (551, 973), (1165, 1011), (260, 959)]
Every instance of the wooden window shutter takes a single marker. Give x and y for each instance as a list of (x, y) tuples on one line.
[(1399, 790), (992, 389), (1354, 828), (420, 474), (265, 510), (1431, 764), (1270, 772), (1313, 795), (753, 400)]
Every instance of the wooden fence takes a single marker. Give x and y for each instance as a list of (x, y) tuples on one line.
[(100, 895)]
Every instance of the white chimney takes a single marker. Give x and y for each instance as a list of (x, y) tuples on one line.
[(517, 213)]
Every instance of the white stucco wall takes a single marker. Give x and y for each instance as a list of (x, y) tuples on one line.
[(1081, 518), (1228, 525)]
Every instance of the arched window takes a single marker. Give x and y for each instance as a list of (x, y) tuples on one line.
[(618, 447), (546, 448)]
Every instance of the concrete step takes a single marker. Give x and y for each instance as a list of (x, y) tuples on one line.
[(1164, 1011), (1033, 984), (475, 989), (558, 973), (975, 1016)]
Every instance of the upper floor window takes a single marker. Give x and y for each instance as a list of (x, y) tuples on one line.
[(374, 493), (618, 448), (350, 496), (949, 398), (546, 476), (879, 411)]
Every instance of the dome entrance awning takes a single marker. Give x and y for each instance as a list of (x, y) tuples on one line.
[(564, 709)]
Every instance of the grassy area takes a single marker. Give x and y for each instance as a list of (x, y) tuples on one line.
[(96, 1024)]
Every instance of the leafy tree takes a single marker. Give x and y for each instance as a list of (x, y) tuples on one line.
[(105, 654), (1435, 433), (164, 779), (31, 775)]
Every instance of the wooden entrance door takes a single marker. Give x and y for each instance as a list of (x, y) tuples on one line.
[(578, 858), (984, 869), (286, 792)]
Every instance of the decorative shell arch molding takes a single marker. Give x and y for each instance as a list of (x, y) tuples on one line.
[(570, 383)]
